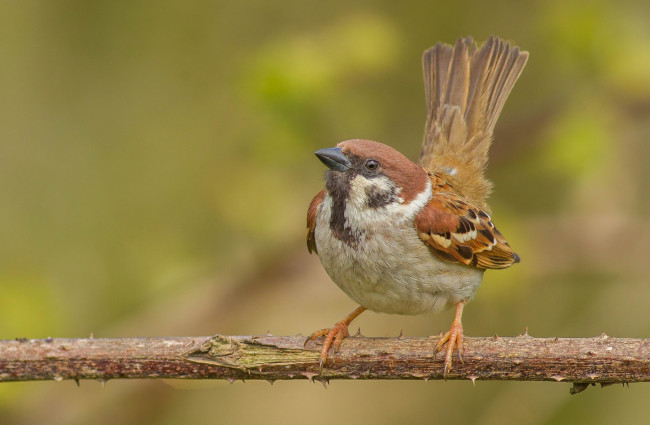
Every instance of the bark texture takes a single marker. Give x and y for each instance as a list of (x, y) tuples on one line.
[(581, 361)]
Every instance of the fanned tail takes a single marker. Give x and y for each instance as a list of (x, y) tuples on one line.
[(466, 89)]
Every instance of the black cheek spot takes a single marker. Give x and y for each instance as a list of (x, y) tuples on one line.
[(377, 199)]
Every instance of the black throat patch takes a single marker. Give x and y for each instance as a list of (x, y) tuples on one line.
[(338, 187)]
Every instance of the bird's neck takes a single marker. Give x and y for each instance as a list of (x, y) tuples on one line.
[(353, 214)]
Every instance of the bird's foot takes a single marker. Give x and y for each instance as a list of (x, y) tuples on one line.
[(335, 335), (452, 338), (333, 338)]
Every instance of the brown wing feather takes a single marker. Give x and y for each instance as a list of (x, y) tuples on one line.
[(311, 220), (458, 231)]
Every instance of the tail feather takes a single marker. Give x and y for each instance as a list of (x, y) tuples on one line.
[(466, 88), (458, 78)]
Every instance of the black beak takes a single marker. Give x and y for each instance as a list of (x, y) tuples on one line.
[(334, 159)]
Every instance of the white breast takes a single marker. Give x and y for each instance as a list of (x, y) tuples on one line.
[(391, 270)]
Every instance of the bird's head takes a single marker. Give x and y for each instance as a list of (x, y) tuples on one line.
[(371, 175)]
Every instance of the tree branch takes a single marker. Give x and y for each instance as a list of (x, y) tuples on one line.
[(582, 361)]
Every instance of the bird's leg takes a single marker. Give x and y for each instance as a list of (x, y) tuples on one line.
[(335, 335), (453, 338)]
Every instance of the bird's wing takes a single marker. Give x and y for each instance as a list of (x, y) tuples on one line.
[(459, 232), (311, 220)]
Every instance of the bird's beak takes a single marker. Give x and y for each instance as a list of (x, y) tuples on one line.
[(334, 159)]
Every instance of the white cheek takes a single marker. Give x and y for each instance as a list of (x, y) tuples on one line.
[(357, 190), (359, 186), (359, 216)]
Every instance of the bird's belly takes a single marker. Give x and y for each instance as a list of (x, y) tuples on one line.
[(393, 271)]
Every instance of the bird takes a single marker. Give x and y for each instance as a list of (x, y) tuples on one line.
[(409, 238)]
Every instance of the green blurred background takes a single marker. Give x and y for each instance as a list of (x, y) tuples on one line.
[(156, 162)]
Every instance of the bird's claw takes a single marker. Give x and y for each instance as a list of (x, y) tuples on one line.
[(333, 338), (454, 337)]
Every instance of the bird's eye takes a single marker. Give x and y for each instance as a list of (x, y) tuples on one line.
[(372, 164)]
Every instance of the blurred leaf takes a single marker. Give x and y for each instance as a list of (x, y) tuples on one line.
[(580, 143)]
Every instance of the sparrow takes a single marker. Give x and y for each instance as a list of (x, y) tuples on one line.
[(404, 238)]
